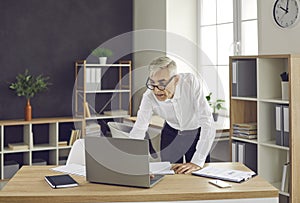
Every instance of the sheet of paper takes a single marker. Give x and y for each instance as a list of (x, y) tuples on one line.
[(225, 174), (161, 168), (74, 169)]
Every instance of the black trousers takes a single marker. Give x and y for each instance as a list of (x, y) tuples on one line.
[(176, 144)]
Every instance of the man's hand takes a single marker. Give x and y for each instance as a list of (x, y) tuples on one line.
[(185, 168)]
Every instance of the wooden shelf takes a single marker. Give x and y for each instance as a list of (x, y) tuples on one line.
[(275, 100), (245, 98), (106, 91), (118, 84), (8, 150), (254, 141), (271, 157), (102, 116), (49, 129), (272, 143)]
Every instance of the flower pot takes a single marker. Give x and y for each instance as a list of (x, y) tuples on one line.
[(28, 111), (102, 60), (215, 116)]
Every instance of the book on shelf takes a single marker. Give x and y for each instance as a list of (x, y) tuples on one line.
[(87, 109), (92, 129), (244, 136), (75, 134), (63, 143), (18, 146), (245, 126), (245, 132)]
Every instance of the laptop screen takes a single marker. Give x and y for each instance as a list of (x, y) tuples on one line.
[(117, 161)]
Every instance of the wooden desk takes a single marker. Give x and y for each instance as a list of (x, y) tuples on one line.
[(28, 185)]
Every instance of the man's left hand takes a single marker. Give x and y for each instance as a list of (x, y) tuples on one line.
[(185, 168)]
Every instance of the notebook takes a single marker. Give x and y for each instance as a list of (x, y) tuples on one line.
[(61, 181), (118, 161)]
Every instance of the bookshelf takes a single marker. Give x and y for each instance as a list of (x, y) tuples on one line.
[(40, 140), (105, 89), (258, 105)]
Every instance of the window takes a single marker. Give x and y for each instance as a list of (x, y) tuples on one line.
[(226, 27)]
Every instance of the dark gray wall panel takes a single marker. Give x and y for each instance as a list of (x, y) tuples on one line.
[(46, 37)]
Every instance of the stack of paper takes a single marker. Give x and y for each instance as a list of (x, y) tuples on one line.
[(74, 169), (225, 174), (245, 130), (161, 168)]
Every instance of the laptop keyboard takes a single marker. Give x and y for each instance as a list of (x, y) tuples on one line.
[(155, 178)]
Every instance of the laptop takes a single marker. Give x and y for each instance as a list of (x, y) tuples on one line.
[(118, 161)]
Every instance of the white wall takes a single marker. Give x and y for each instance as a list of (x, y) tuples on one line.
[(148, 14), (273, 39), (181, 20), (177, 17)]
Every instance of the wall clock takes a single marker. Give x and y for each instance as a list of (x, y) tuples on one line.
[(286, 13)]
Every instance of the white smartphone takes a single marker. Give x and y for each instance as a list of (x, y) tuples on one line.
[(220, 183)]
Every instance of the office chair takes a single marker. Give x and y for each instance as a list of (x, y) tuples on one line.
[(122, 130), (77, 153)]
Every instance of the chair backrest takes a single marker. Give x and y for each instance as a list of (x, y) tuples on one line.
[(77, 153), (119, 130)]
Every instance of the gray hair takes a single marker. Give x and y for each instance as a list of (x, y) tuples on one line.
[(162, 62)]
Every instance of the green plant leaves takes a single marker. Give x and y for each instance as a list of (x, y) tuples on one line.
[(215, 105), (102, 52), (27, 85)]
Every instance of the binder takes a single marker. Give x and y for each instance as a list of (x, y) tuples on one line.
[(285, 177), (241, 152), (234, 152), (282, 125), (244, 78), (286, 134), (279, 125), (247, 154)]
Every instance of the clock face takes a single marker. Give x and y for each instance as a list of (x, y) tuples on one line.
[(286, 12)]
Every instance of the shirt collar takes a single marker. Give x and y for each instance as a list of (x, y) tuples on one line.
[(177, 93)]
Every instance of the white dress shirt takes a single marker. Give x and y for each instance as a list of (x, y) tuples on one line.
[(187, 110)]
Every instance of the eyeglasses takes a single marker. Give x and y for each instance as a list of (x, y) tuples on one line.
[(161, 87)]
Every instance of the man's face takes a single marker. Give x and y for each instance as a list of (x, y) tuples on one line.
[(162, 79)]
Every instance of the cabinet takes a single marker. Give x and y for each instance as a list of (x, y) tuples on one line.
[(102, 91), (256, 101), (41, 140)]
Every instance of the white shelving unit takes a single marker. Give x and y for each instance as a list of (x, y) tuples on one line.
[(117, 95), (261, 109), (42, 136)]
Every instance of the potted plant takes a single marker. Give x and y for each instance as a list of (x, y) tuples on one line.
[(215, 105), (27, 85), (102, 54)]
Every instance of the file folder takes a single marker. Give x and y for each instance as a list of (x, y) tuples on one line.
[(282, 125), (286, 134), (247, 154), (234, 152), (285, 177), (244, 78), (279, 125)]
